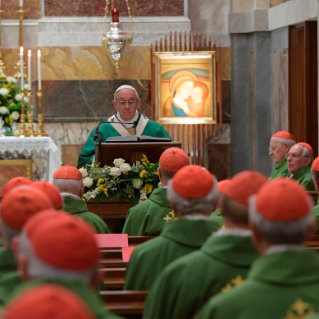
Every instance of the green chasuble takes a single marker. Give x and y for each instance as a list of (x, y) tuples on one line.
[(217, 218), (187, 283), (87, 294), (280, 285), (304, 178), (281, 170), (78, 207), (178, 238), (106, 130), (148, 217), (8, 262), (315, 211)]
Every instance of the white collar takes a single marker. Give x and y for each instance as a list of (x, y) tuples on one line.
[(195, 217), (69, 194), (239, 232), (130, 121), (279, 248)]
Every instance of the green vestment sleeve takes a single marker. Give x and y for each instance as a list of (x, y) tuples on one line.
[(147, 218), (78, 207), (280, 171), (178, 238), (279, 285), (187, 283)]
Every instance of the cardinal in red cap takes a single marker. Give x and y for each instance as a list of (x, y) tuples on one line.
[(192, 193), (226, 255), (147, 218), (280, 143), (69, 180), (286, 274), (315, 178), (299, 159), (61, 249)]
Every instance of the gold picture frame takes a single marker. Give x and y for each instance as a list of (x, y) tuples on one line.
[(185, 85)]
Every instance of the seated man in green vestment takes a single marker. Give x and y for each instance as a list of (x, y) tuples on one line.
[(69, 181), (280, 144), (17, 207), (127, 121), (58, 248), (192, 193), (222, 262), (48, 301), (315, 178), (284, 281), (299, 159), (149, 217)]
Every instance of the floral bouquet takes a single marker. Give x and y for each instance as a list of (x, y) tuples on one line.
[(10, 106), (122, 181)]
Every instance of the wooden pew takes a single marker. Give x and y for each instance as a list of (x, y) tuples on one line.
[(129, 304), (113, 278)]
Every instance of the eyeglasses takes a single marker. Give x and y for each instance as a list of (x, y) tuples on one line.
[(272, 148), (123, 103), (294, 156)]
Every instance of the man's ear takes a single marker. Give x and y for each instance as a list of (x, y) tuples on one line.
[(23, 267), (82, 190), (256, 235), (287, 147), (159, 171), (15, 246)]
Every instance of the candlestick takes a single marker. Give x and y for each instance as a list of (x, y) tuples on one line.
[(29, 69), (22, 129), (39, 71), (17, 67), (2, 65), (21, 68), (41, 131), (115, 15), (30, 132)]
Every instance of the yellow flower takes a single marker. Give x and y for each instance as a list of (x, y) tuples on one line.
[(10, 118), (143, 174), (148, 188), (100, 181), (101, 187), (105, 192)]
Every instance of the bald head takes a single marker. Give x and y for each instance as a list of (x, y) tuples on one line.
[(72, 186)]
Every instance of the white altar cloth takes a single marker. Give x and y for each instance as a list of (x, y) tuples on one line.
[(38, 144)]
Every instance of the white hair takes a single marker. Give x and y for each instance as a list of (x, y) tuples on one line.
[(292, 232), (126, 86), (7, 234), (187, 206), (286, 140), (306, 153), (68, 185), (38, 269)]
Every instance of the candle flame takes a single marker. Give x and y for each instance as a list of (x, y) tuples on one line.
[(21, 50), (39, 53), (29, 52)]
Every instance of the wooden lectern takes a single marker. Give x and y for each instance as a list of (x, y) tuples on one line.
[(105, 153), (114, 212)]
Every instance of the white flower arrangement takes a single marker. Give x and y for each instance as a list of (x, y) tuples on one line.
[(134, 182)]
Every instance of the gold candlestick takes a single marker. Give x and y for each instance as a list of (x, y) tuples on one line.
[(30, 132), (2, 65), (17, 67), (41, 131), (22, 129)]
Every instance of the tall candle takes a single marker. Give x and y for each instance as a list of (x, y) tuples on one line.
[(21, 68), (115, 15), (29, 69), (20, 3), (39, 70)]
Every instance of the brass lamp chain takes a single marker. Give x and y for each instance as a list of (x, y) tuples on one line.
[(105, 21), (129, 13)]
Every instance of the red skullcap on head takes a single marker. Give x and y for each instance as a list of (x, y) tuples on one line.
[(45, 217), (21, 204), (243, 185), (67, 172), (14, 182), (192, 181), (47, 301), (282, 200), (307, 146), (315, 164), (72, 244), (222, 185), (284, 134), (173, 159), (51, 191)]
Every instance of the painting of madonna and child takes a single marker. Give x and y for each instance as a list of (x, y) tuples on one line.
[(186, 88)]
